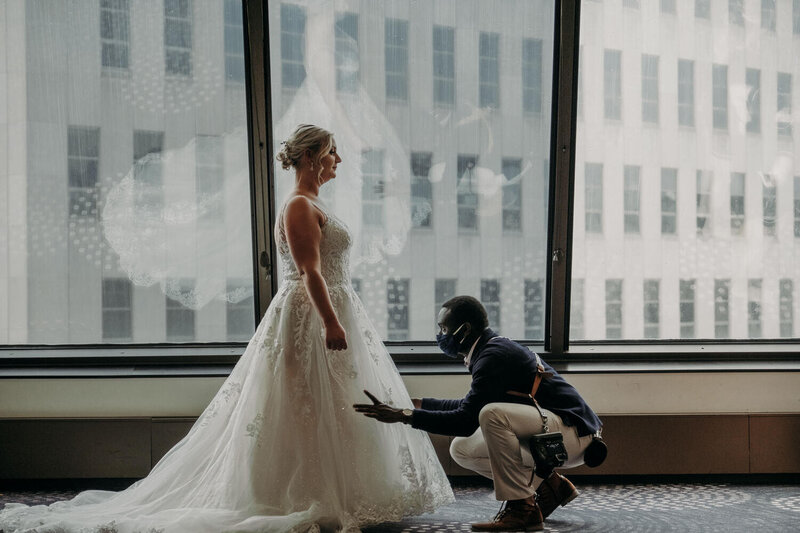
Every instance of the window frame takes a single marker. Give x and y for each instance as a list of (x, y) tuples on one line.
[(214, 358)]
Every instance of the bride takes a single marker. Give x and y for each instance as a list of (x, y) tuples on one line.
[(280, 448)]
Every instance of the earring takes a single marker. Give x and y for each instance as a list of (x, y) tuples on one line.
[(312, 167)]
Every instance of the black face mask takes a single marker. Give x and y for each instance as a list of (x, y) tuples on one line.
[(448, 342)]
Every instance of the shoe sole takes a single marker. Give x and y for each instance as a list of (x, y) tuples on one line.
[(571, 497)]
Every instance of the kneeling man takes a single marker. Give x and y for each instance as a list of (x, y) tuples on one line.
[(494, 422)]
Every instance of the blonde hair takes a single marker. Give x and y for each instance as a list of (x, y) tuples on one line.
[(305, 138)]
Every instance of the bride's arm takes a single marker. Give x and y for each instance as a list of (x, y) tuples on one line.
[(303, 233)]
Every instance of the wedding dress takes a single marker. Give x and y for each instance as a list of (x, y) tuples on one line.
[(279, 448)]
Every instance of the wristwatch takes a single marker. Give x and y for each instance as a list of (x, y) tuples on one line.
[(407, 414)]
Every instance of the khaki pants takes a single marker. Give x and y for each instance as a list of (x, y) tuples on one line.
[(495, 450)]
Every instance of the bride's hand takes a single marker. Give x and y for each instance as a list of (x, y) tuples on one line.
[(335, 337)]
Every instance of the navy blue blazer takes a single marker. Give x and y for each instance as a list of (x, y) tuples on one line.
[(497, 367)]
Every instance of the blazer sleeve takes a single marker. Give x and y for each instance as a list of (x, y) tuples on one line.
[(433, 404), (463, 420)]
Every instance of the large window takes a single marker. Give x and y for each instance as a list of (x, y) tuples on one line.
[(178, 37), (532, 75), (490, 297), (613, 308), (444, 180), (722, 308), (594, 197), (234, 41), (720, 96), (612, 84), (669, 201), (704, 195), (372, 188), (489, 70), (534, 309), (651, 309), (769, 205), (115, 33), (210, 171), (397, 301), (686, 92), (467, 192), (753, 76), (754, 308), (768, 15), (421, 189), (736, 12), (130, 212), (784, 104), (737, 203), (796, 206), (796, 17), (686, 308), (117, 310), (690, 146), (239, 311), (649, 88), (512, 194), (293, 45), (180, 315), (631, 199), (125, 178), (444, 65), (347, 60), (396, 58), (444, 289), (83, 161), (786, 307), (702, 9), (148, 170)]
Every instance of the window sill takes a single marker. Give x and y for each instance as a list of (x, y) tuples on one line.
[(88, 362)]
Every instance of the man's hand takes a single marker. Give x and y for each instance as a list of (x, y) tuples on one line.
[(417, 403), (380, 411)]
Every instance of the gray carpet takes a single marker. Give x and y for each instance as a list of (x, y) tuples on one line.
[(628, 507), (639, 508)]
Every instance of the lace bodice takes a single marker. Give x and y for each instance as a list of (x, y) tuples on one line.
[(334, 250)]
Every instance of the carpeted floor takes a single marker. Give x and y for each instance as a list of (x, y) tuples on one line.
[(632, 507)]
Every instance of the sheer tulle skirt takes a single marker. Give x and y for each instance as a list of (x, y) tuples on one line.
[(279, 448)]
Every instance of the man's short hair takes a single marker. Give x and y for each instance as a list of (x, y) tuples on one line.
[(467, 309)]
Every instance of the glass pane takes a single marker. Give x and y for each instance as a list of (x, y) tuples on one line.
[(685, 171), (443, 133), (112, 168)]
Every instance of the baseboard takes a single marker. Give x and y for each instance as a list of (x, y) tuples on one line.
[(638, 445)]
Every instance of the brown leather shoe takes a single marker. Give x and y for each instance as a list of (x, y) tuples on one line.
[(516, 515), (554, 491)]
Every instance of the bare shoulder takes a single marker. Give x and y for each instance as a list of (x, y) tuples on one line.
[(300, 208)]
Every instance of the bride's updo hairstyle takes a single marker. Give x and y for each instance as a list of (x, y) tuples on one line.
[(305, 138)]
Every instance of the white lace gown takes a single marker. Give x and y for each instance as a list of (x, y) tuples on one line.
[(279, 448)]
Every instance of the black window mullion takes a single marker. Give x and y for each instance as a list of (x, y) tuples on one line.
[(258, 85), (562, 174)]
